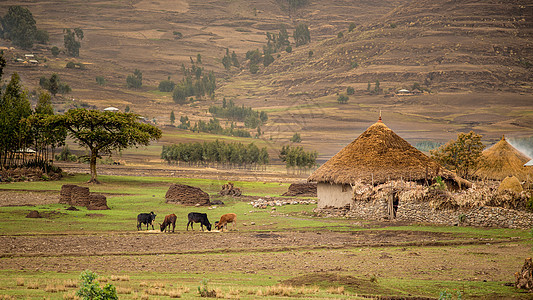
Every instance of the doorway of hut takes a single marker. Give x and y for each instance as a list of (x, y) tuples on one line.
[(394, 200)]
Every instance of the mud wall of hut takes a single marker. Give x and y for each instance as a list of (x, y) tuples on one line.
[(420, 212), (333, 195)]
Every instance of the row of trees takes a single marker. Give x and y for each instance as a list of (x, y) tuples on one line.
[(217, 152), (251, 118), (298, 158)]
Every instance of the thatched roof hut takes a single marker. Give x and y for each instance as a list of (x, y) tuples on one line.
[(379, 155), (502, 160)]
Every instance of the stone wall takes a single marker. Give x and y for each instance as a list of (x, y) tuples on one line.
[(485, 216)]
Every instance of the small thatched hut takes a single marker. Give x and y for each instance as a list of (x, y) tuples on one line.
[(502, 160), (377, 156)]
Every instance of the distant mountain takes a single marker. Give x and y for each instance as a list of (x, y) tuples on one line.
[(443, 45)]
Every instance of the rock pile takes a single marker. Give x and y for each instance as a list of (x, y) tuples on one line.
[(229, 190), (264, 203), (27, 174), (524, 278), (74, 195), (186, 195), (307, 189)]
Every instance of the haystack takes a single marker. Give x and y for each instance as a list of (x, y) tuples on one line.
[(379, 155), (524, 278), (307, 189), (502, 160), (186, 195), (510, 184)]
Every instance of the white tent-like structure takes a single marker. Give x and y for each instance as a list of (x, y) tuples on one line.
[(529, 163), (111, 109)]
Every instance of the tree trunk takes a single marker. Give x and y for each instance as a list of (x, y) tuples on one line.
[(94, 154)]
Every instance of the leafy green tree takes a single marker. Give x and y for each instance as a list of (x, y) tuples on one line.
[(91, 290), (350, 90), (136, 80), (462, 155), (166, 85), (172, 117), (226, 60), (72, 40), (55, 51), (105, 132), (14, 106), (41, 36), (310, 53), (44, 104), (296, 138), (198, 58), (100, 80), (127, 109), (342, 99), (235, 60), (254, 68), (340, 35), (301, 35), (288, 49), (53, 84), (19, 26), (267, 59)]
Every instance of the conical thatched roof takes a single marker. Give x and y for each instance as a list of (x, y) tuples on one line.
[(376, 156), (502, 160)]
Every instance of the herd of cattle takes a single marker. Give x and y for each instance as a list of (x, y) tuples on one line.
[(194, 217)]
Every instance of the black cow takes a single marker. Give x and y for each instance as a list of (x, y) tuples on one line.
[(147, 219), (198, 218)]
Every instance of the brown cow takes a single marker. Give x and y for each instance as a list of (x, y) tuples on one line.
[(170, 219), (225, 219)]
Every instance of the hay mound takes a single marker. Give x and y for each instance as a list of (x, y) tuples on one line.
[(229, 190), (502, 160), (64, 194), (33, 214), (97, 202), (524, 278), (74, 195), (301, 189), (510, 184), (186, 195)]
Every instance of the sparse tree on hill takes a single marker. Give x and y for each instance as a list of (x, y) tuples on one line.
[(342, 99), (55, 51), (105, 132), (72, 40), (235, 60), (462, 155), (135, 80), (301, 35), (172, 117), (19, 26), (352, 27)]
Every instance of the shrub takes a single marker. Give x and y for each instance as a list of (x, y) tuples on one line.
[(71, 65), (100, 80), (354, 64), (55, 51), (343, 99), (166, 86), (340, 35), (352, 27), (296, 138), (288, 49), (350, 91), (91, 290), (177, 35), (254, 68)]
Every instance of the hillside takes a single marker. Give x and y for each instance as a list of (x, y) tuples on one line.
[(473, 57)]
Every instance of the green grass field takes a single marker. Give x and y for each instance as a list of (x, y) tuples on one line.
[(127, 196)]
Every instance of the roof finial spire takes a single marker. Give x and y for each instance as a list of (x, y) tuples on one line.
[(379, 120)]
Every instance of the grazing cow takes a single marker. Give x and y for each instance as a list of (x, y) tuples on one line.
[(147, 219), (169, 220), (198, 218), (225, 219)]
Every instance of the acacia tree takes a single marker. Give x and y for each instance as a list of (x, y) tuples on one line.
[(106, 132), (462, 155)]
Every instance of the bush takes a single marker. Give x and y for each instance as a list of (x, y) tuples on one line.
[(288, 49), (71, 65), (343, 99), (177, 35), (296, 138), (166, 86), (55, 51), (350, 91), (90, 290), (100, 80), (254, 68), (311, 53), (340, 35), (352, 27)]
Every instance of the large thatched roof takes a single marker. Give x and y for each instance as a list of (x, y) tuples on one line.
[(502, 160), (379, 155)]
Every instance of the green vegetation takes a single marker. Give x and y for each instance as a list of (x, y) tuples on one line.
[(296, 138), (72, 40), (91, 290), (301, 35), (350, 90), (230, 60), (73, 65), (297, 157), (195, 83), (427, 145), (136, 80), (105, 132), (166, 85), (100, 80), (351, 27), (19, 26), (343, 99), (213, 126), (54, 85), (55, 51), (226, 154), (251, 118), (462, 155)]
